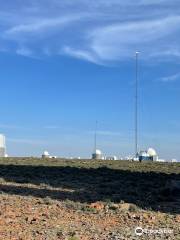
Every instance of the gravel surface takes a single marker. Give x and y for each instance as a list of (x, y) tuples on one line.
[(37, 210)]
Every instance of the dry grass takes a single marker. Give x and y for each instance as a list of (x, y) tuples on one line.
[(81, 199)]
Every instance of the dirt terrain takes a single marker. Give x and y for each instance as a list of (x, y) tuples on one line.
[(73, 200)]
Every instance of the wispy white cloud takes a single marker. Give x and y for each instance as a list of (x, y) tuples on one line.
[(10, 126), (171, 78), (97, 31), (51, 127), (27, 141), (81, 54), (42, 24), (108, 133), (24, 51), (119, 41)]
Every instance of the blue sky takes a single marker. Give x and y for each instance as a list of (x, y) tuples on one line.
[(66, 64)]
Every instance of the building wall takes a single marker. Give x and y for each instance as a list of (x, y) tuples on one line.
[(2, 145), (2, 152), (97, 156)]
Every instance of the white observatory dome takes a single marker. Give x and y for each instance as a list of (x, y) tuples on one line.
[(98, 152), (46, 153), (151, 152)]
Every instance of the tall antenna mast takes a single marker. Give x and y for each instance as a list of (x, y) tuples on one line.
[(136, 107), (95, 137)]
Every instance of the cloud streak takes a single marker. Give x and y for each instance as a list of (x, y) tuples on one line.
[(81, 54), (24, 51), (171, 78), (120, 41), (42, 25), (27, 141), (95, 31)]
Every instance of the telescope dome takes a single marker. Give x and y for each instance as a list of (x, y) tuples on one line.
[(46, 153), (151, 152), (98, 152)]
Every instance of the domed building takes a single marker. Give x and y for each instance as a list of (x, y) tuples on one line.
[(152, 154), (45, 154), (97, 155), (149, 155)]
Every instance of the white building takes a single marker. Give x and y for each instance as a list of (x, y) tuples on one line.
[(174, 160), (97, 155), (152, 153), (160, 160), (149, 155), (45, 154), (112, 158), (2, 146)]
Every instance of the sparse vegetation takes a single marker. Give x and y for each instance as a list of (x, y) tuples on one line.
[(87, 196)]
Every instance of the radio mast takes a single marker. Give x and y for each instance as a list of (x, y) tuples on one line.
[(136, 107)]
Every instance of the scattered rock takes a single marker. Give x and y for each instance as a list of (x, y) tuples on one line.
[(31, 219), (97, 205), (57, 218), (177, 218), (113, 206)]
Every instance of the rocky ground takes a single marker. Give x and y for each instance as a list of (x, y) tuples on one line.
[(33, 209)]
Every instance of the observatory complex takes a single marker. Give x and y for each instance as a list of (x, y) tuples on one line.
[(97, 155), (149, 155), (47, 155)]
